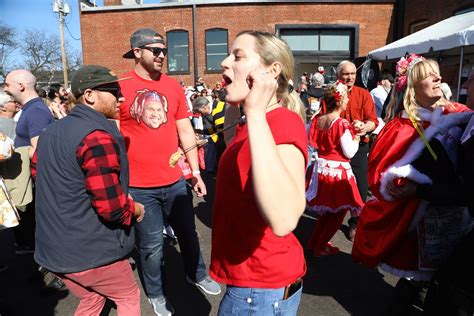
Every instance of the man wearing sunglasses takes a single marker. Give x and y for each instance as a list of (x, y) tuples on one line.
[(153, 181), (84, 217)]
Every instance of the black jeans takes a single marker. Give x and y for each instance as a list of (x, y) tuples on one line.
[(359, 165)]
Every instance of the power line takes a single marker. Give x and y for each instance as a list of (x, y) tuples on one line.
[(70, 34)]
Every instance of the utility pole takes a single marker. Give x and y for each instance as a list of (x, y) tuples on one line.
[(62, 8)]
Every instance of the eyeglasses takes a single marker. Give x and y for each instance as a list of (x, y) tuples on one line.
[(156, 51), (115, 91)]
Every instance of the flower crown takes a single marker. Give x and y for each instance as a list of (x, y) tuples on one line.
[(339, 91), (403, 68)]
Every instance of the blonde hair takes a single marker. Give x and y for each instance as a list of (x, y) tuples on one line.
[(272, 49), (417, 73)]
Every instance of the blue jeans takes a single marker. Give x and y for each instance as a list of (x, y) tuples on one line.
[(252, 301), (175, 202)]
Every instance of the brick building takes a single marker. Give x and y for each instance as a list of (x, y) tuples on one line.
[(319, 32)]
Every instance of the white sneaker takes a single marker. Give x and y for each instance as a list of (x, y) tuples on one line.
[(168, 231), (161, 307), (208, 285)]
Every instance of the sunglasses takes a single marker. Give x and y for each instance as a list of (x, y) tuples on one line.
[(156, 51), (115, 91)]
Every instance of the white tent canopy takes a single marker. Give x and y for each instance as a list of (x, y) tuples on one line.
[(456, 31)]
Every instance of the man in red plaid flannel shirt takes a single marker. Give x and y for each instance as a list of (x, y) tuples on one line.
[(84, 230)]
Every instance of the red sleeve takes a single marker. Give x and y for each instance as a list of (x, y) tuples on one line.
[(98, 156), (345, 125), (288, 128)]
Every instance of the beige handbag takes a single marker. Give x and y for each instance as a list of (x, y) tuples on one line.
[(9, 216)]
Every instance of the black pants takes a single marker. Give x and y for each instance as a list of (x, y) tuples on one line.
[(359, 164), (25, 232), (451, 291)]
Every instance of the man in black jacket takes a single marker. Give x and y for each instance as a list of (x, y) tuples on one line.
[(84, 218)]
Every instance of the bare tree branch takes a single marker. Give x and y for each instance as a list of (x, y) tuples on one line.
[(7, 47)]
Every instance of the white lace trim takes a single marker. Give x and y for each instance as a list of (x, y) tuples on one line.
[(329, 167), (417, 275)]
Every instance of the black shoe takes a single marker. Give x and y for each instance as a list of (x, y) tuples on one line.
[(352, 232), (56, 285)]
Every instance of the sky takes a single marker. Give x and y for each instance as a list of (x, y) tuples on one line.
[(38, 14)]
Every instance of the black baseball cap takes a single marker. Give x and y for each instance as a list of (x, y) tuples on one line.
[(91, 76), (143, 37)]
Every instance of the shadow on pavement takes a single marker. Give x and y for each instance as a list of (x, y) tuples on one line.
[(186, 299), (21, 290), (203, 209), (358, 289)]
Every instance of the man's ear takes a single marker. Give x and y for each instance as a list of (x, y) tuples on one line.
[(89, 97), (137, 52), (22, 87)]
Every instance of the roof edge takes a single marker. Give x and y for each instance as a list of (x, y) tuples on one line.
[(87, 6)]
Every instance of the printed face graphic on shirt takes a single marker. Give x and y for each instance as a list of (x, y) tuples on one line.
[(150, 108)]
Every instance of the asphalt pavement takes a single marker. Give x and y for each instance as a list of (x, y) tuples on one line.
[(333, 285)]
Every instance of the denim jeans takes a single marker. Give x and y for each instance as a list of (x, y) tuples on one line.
[(252, 301), (175, 202)]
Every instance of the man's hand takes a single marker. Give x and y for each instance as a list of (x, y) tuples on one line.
[(198, 185), (139, 212)]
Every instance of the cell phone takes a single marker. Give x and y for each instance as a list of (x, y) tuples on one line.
[(292, 288)]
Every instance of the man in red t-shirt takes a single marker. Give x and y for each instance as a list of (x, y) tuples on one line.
[(361, 114), (154, 121)]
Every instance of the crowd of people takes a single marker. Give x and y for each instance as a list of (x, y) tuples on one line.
[(109, 165)]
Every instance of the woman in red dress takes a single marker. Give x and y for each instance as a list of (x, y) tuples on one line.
[(407, 236), (336, 192)]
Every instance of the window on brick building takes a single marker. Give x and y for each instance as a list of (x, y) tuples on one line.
[(318, 41), (216, 49), (320, 45), (178, 51), (418, 26)]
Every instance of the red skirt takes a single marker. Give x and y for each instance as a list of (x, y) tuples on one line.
[(337, 189)]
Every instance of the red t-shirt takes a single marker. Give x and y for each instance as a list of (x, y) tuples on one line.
[(245, 251), (148, 123)]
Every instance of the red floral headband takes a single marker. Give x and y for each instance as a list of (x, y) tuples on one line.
[(403, 68)]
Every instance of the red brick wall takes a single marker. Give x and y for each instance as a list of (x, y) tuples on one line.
[(433, 11), (105, 35)]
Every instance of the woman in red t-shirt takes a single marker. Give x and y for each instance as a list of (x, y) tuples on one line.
[(260, 193)]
